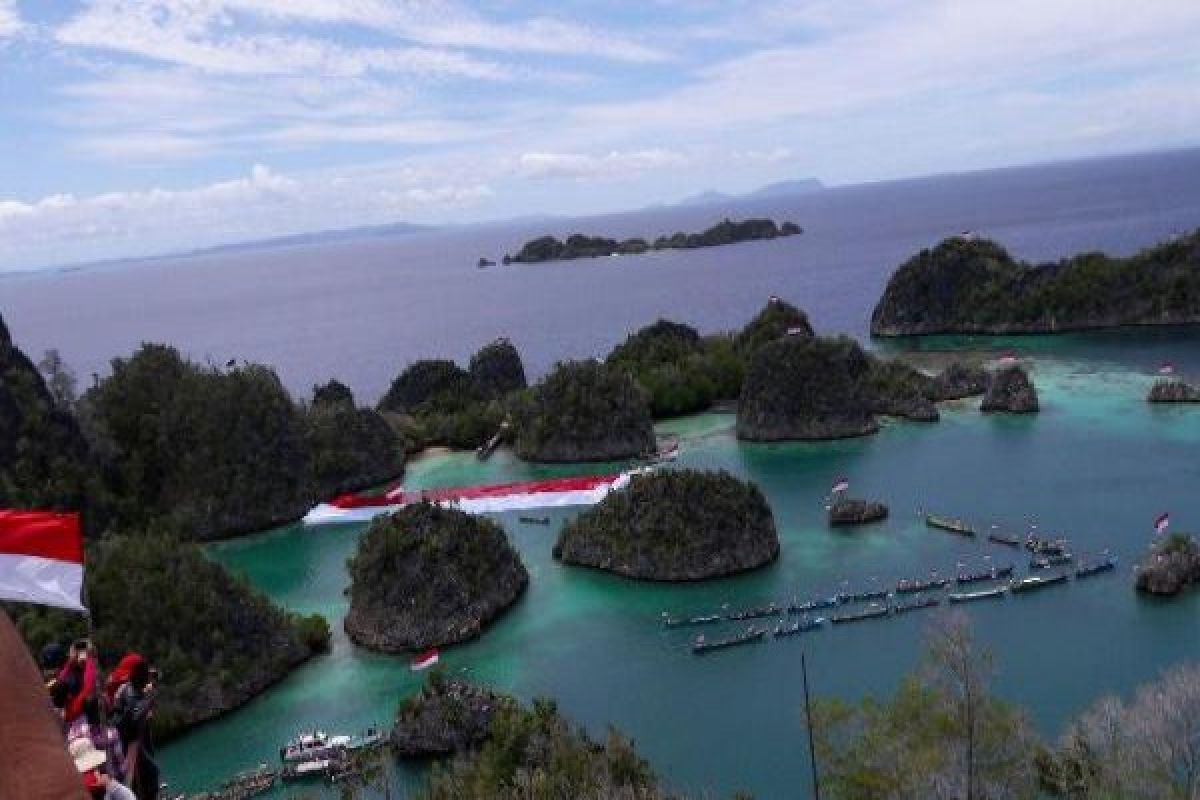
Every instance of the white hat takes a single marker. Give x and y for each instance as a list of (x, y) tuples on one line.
[(85, 754)]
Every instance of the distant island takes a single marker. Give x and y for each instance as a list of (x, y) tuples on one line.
[(771, 190), (578, 245), (972, 285)]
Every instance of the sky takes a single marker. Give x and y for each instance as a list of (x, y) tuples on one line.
[(133, 127)]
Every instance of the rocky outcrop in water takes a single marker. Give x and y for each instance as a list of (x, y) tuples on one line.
[(674, 525), (1173, 392), (803, 387), (1172, 565), (851, 511), (1010, 390), (970, 285), (428, 576), (446, 716), (957, 381), (897, 390), (584, 411)]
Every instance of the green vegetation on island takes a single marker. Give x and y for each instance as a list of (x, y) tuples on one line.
[(578, 245), (674, 525), (969, 285), (217, 641), (437, 402), (584, 411), (535, 753), (429, 576), (444, 717)]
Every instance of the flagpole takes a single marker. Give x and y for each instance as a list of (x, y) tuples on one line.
[(812, 751)]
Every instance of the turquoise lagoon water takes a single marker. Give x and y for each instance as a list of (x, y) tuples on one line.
[(1097, 464)]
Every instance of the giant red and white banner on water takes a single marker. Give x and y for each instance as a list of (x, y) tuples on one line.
[(523, 495), (41, 558)]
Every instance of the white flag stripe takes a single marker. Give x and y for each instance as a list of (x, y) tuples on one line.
[(46, 581)]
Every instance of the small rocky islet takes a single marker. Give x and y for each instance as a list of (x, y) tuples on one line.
[(674, 525), (1172, 565), (1010, 390), (849, 511), (428, 576), (1173, 391), (445, 716)]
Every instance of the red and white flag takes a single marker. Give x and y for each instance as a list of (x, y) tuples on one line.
[(1167, 369), (41, 558), (424, 660), (840, 485), (1008, 358), (1161, 522)]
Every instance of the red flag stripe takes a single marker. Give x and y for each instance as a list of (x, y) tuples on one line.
[(46, 534)]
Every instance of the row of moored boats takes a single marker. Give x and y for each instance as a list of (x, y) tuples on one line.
[(908, 596)]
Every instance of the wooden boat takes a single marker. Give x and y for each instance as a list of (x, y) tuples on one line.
[(1046, 562), (870, 612), (534, 520), (915, 605), (1045, 547), (990, 574), (961, 527), (862, 597), (752, 634), (913, 586), (681, 622), (800, 626), (314, 768), (772, 610), (1037, 582), (982, 594), (812, 605), (1088, 570), (1004, 539)]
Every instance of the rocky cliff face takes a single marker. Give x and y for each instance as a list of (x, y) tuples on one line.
[(1173, 392), (445, 716), (674, 525), (898, 390), (429, 576), (584, 411), (967, 285), (957, 381), (1171, 566), (850, 511), (806, 388), (1010, 390)]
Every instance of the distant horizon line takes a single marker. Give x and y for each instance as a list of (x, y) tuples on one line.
[(404, 228)]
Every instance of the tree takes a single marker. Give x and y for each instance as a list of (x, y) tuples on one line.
[(60, 379), (942, 736), (1149, 748)]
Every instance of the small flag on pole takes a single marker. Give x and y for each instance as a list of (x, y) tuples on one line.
[(41, 558), (424, 660), (1166, 369), (1008, 358), (840, 485), (1161, 522)]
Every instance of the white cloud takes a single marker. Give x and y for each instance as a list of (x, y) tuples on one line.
[(10, 19), (264, 203), (614, 164), (447, 24), (200, 35)]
